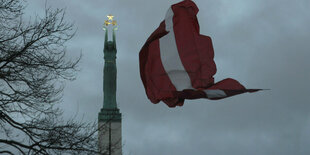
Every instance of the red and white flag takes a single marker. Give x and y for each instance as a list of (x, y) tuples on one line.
[(176, 62)]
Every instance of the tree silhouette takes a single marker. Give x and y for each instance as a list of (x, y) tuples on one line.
[(33, 69)]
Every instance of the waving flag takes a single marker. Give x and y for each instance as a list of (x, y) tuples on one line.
[(176, 62)]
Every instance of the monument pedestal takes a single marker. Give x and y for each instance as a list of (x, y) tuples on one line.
[(110, 132)]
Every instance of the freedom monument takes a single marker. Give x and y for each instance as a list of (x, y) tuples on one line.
[(109, 117)]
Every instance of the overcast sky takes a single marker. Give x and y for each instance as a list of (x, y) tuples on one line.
[(262, 44)]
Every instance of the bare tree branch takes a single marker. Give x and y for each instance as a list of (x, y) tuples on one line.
[(33, 68)]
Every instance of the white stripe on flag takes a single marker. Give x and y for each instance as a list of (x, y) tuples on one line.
[(170, 57), (216, 93)]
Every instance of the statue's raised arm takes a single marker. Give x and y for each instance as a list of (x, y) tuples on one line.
[(108, 22)]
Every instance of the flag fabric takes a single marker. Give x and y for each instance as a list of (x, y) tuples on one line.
[(176, 62)]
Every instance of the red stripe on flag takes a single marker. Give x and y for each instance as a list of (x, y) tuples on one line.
[(231, 87), (227, 84), (195, 50), (180, 96), (151, 69)]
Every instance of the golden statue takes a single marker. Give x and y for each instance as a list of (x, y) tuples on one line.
[(109, 21)]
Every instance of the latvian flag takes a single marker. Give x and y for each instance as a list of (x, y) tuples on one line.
[(176, 62)]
